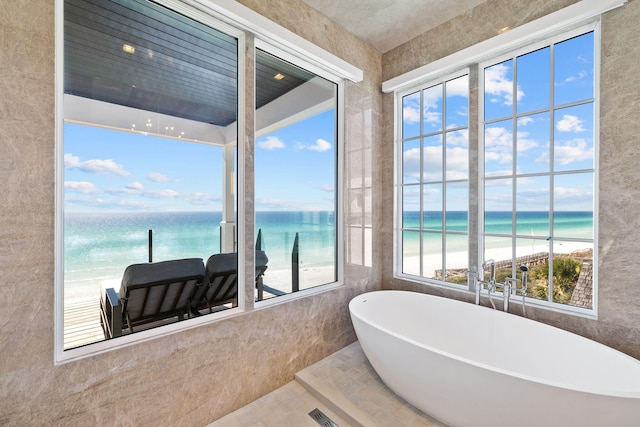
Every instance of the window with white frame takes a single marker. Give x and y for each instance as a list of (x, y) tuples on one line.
[(149, 170), (536, 193), (434, 196), (539, 166)]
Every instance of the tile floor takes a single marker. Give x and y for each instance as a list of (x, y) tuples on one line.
[(343, 386)]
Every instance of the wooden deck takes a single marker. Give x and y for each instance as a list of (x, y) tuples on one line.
[(82, 323), (82, 320)]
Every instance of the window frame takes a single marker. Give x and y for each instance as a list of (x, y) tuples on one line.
[(400, 185), (562, 25), (247, 26), (512, 54), (270, 48)]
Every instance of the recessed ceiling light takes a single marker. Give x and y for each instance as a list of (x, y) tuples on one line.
[(279, 76), (128, 48)]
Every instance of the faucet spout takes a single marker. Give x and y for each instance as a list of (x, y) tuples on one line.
[(480, 282)]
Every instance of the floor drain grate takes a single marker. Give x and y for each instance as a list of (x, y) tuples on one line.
[(322, 419)]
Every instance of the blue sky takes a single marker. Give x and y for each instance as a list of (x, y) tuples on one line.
[(571, 127), (110, 170)]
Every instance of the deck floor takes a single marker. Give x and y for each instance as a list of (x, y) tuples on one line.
[(82, 322)]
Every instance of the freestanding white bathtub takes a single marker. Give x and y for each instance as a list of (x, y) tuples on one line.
[(468, 365)]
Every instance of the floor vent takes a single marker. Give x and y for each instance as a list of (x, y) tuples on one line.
[(322, 419)]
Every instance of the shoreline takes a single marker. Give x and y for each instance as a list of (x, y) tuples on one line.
[(310, 277)]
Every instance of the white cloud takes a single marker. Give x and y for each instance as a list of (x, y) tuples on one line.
[(523, 121), (411, 108), (320, 146), (459, 138), (498, 143), (581, 75), (570, 123), (573, 193), (135, 186), (327, 188), (82, 187), (162, 194), (457, 163), (497, 84), (201, 199), (271, 143), (411, 114), (158, 177), (458, 87), (94, 166), (573, 151), (411, 163)]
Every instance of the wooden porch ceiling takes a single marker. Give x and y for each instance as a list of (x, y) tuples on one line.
[(139, 54)]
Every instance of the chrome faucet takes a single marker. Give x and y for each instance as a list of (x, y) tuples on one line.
[(480, 282), (509, 288)]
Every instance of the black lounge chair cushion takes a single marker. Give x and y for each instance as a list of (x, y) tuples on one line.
[(222, 278), (159, 290)]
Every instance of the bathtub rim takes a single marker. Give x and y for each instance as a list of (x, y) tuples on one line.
[(493, 368)]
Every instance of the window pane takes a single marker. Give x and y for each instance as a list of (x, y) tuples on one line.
[(432, 161), (573, 69), (498, 90), (574, 138), (457, 258), (432, 256), (499, 250), (533, 81), (148, 176), (533, 253), (573, 206), (411, 161), (457, 91), (411, 252), (532, 205), (498, 206), (432, 109), (457, 206), (457, 155), (498, 149), (411, 206), (532, 142), (432, 206), (573, 273), (295, 175), (411, 115)]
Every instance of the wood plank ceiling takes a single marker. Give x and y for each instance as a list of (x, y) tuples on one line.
[(139, 54)]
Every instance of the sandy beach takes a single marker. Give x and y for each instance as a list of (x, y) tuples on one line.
[(459, 260)]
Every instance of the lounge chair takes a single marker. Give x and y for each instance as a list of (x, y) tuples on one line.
[(151, 292), (222, 281)]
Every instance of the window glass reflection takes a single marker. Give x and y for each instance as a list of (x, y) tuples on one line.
[(295, 176)]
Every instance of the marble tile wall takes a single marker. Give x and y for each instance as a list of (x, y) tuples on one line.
[(189, 378), (618, 323)]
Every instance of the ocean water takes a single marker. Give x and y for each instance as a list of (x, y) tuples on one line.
[(567, 226), (99, 246)]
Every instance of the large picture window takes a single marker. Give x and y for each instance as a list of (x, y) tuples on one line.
[(295, 175), (533, 199), (152, 164), (539, 167), (150, 118), (435, 181)]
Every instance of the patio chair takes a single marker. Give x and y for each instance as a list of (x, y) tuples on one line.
[(151, 292), (222, 281)]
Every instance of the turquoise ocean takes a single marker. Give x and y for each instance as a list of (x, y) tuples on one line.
[(99, 246), (568, 226)]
